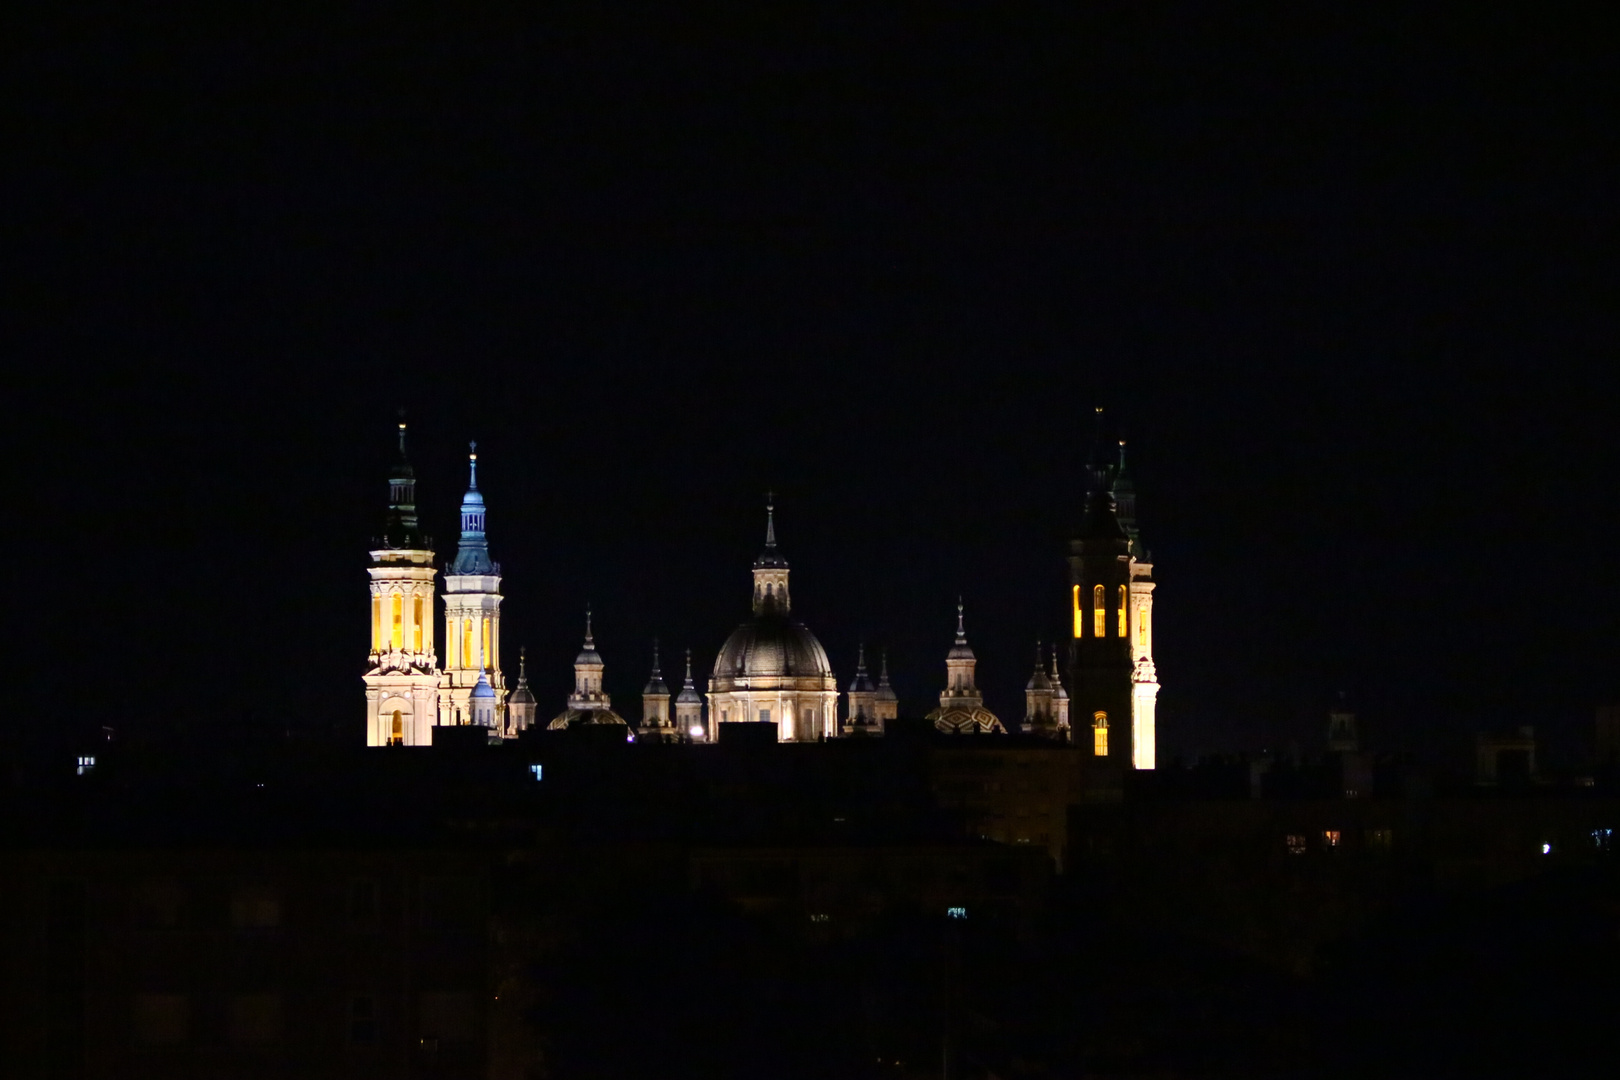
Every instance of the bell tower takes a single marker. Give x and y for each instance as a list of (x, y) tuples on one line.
[(402, 678), (1115, 684), (472, 611)]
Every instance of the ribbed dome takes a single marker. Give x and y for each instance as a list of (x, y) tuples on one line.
[(482, 689), (771, 645)]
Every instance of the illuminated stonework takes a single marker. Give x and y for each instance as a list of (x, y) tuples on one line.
[(402, 676), (589, 703), (772, 669), (472, 613), (961, 705), (1111, 590)]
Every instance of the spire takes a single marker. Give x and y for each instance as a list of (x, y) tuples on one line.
[(770, 521), (862, 683), (522, 695), (960, 651), (689, 694), (589, 644), (472, 553), (656, 686), (400, 527)]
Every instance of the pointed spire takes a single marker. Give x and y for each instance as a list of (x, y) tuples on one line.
[(883, 672), (770, 521), (688, 669), (402, 433), (588, 640), (961, 632), (523, 663), (655, 670), (860, 659), (472, 553)]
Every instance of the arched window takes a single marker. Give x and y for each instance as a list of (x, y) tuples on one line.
[(398, 735), (398, 636), (1124, 609), (1099, 734), (466, 643), (416, 625), (488, 664), (1141, 627), (1079, 621), (1099, 612), (376, 624)]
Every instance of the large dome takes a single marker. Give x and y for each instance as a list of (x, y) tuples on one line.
[(770, 646)]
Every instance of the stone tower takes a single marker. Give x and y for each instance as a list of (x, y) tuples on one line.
[(472, 610), (1114, 684), (402, 678)]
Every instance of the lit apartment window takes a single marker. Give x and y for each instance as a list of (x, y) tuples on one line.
[(1099, 734), (537, 770), (87, 764), (1603, 839), (1330, 838), (1296, 843), (1099, 612)]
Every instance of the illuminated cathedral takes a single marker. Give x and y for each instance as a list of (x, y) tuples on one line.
[(772, 669)]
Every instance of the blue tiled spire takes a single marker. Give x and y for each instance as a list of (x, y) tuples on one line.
[(472, 554)]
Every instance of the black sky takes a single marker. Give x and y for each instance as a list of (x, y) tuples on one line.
[(1346, 282)]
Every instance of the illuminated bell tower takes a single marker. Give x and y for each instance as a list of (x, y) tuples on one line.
[(472, 611), (402, 679), (1115, 684)]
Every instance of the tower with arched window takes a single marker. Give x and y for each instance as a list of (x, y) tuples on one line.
[(1115, 684), (472, 612), (402, 676)]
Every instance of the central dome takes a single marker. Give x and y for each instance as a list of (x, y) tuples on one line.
[(770, 646)]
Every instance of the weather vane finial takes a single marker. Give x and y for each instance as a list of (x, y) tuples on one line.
[(587, 624), (770, 519), (472, 463)]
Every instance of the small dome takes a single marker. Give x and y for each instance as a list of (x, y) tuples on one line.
[(579, 717), (523, 695), (482, 689), (966, 721), (771, 645)]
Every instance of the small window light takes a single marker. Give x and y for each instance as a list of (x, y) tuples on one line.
[(956, 913), (696, 731), (1546, 849), (1330, 838), (87, 764), (536, 769), (1296, 844)]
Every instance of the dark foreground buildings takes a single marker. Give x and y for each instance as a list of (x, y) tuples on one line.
[(569, 904)]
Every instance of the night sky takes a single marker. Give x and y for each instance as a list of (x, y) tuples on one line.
[(1346, 285)]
